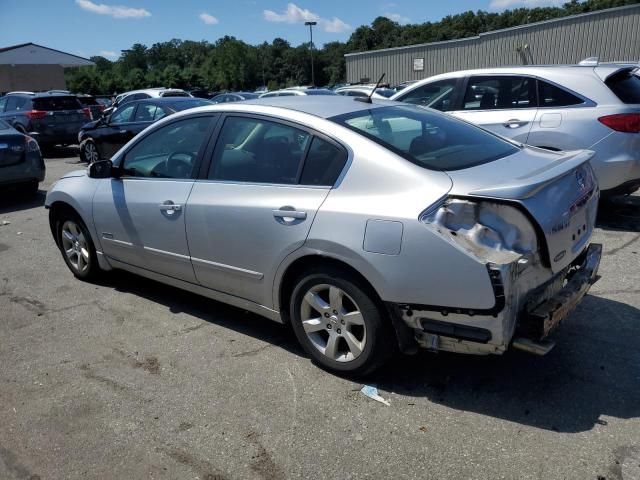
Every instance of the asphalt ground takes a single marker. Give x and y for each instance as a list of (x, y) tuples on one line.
[(128, 378)]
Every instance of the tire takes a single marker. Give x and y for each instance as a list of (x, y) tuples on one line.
[(76, 246), (89, 152), (359, 338)]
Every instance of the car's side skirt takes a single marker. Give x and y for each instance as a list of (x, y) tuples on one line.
[(200, 290)]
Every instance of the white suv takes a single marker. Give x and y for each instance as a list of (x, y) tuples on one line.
[(593, 106)]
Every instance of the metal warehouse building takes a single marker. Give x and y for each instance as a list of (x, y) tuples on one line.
[(611, 35)]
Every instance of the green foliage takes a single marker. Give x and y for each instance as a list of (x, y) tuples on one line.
[(231, 64)]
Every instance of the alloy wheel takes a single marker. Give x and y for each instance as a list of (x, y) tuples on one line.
[(75, 246), (333, 323), (90, 152)]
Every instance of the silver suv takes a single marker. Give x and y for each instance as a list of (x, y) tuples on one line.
[(592, 106), (366, 226)]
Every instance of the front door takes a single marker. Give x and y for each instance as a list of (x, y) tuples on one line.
[(117, 132), (140, 217), (506, 105), (263, 189)]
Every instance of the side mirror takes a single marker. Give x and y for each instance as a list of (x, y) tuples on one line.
[(101, 169)]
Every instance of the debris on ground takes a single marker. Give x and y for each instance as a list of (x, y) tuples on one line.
[(423, 428), (372, 393), (4, 222)]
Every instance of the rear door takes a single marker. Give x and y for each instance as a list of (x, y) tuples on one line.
[(504, 104), (140, 217), (256, 203)]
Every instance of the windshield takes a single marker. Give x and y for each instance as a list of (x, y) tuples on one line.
[(429, 139)]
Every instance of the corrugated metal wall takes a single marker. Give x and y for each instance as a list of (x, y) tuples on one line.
[(611, 35)]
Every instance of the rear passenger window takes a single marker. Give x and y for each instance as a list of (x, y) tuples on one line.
[(626, 85), (145, 113), (324, 163), (504, 93), (258, 151), (552, 96)]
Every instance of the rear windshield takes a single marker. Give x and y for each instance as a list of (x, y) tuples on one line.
[(385, 92), (56, 103), (88, 101), (429, 139), (196, 102), (626, 85), (319, 92)]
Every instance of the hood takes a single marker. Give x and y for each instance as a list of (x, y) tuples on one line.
[(90, 125), (75, 173)]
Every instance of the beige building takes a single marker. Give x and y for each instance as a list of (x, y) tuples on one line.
[(33, 67)]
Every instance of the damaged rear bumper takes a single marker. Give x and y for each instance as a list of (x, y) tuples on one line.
[(538, 323), (528, 315)]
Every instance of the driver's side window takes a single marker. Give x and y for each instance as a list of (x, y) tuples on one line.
[(168, 152)]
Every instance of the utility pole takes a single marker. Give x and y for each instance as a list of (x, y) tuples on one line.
[(313, 77)]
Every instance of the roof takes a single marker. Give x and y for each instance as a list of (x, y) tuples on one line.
[(501, 31), (34, 54), (324, 106)]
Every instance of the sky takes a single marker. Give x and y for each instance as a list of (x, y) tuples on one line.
[(105, 27)]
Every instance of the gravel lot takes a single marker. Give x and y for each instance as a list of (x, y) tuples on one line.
[(132, 379)]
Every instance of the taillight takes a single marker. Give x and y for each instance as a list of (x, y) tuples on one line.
[(87, 112), (36, 114), (622, 122)]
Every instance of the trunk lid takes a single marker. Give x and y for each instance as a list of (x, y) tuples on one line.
[(558, 189)]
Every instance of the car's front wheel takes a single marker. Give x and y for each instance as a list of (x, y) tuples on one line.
[(76, 246), (339, 323), (89, 152)]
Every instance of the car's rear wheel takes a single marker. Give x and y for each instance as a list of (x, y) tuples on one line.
[(338, 322), (89, 152), (76, 246)]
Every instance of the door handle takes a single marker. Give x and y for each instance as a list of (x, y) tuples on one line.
[(123, 131), (514, 123), (289, 214), (169, 207)]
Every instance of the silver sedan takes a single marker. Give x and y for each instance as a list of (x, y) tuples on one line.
[(369, 227)]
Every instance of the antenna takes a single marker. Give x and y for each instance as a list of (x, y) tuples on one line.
[(368, 99)]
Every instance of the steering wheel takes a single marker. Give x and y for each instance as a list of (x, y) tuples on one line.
[(178, 168)]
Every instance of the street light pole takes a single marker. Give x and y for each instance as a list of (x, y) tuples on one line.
[(311, 24)]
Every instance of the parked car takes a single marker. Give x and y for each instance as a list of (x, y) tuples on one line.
[(555, 107), (93, 105), (364, 91), (366, 226), (134, 95), (21, 163), (50, 118), (403, 85), (293, 92), (234, 97), (104, 137)]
